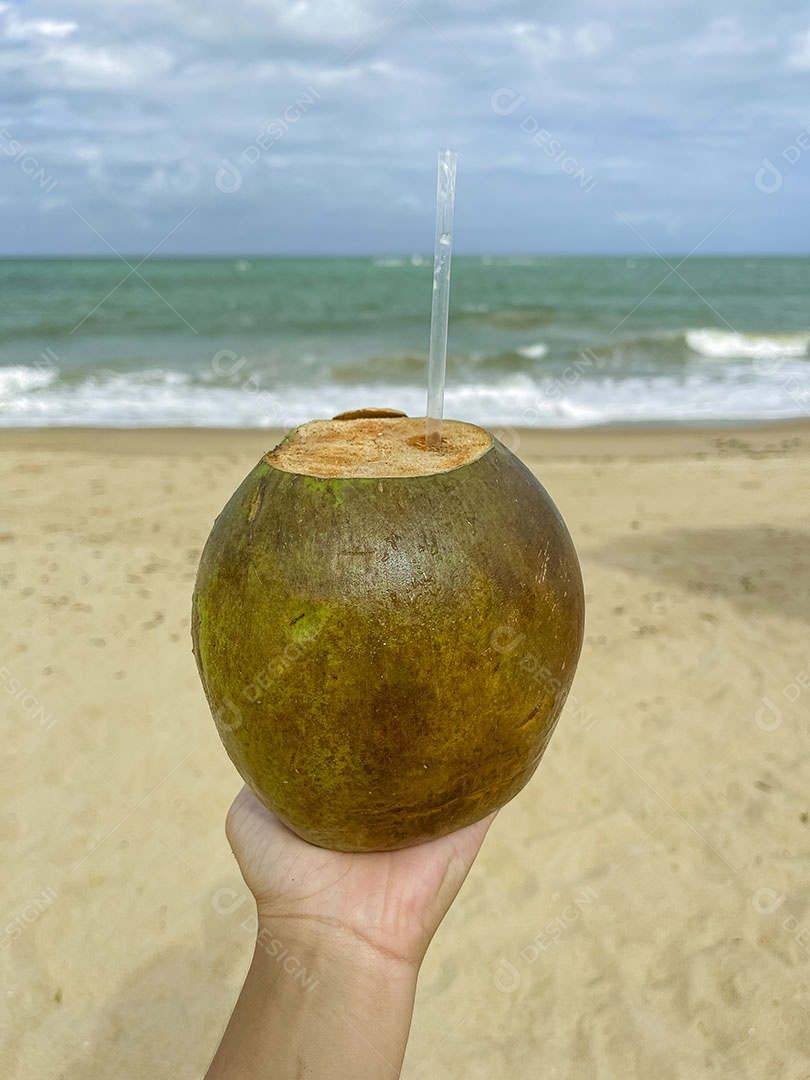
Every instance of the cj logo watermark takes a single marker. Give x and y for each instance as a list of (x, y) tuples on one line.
[(769, 715), (227, 716), (768, 177), (767, 901), (505, 101), (507, 978), (769, 361)]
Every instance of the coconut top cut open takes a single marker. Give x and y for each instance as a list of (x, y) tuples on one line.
[(377, 443)]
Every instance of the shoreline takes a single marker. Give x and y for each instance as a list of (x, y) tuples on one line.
[(635, 441)]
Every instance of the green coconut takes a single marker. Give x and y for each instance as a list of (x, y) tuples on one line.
[(386, 633)]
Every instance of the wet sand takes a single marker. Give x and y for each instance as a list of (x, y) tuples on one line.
[(641, 909)]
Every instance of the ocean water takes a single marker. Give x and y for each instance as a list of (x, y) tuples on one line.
[(541, 341)]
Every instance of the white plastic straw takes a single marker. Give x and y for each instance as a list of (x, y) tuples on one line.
[(445, 200)]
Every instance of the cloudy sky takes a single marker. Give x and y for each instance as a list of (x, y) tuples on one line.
[(307, 126)]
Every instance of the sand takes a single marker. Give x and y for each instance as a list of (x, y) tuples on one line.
[(641, 909)]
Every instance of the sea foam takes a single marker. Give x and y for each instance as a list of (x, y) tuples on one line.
[(728, 344), (733, 391)]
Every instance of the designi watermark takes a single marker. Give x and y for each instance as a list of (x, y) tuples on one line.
[(507, 976), (505, 102), (553, 392), (27, 916), (29, 164), (28, 701), (505, 639), (46, 364), (227, 901), (229, 716), (227, 365), (293, 651), (228, 178)]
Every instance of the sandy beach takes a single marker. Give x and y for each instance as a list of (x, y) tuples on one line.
[(641, 909)]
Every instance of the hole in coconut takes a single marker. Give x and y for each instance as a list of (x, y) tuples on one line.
[(420, 442)]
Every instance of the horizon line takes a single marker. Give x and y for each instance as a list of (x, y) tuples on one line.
[(425, 255)]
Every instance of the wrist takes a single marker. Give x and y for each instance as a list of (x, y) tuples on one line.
[(310, 951), (371, 943)]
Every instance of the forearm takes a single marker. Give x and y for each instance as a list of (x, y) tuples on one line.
[(330, 1009)]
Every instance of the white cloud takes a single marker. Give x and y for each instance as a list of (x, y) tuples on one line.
[(592, 39), (325, 19), (542, 42), (79, 66), (799, 55), (184, 179), (25, 29), (545, 42), (725, 37)]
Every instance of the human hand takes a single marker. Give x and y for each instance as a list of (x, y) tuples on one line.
[(388, 902), (360, 922)]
